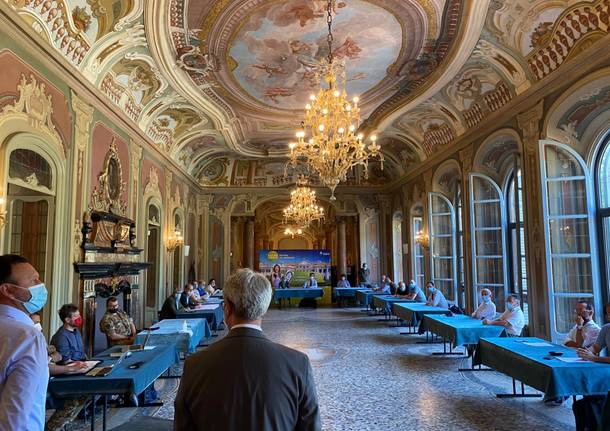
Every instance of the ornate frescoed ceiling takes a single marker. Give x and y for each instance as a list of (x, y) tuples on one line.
[(219, 84)]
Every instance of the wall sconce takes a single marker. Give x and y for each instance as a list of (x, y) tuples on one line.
[(293, 232), (2, 213), (422, 239), (175, 240)]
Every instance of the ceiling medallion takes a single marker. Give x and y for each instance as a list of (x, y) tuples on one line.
[(303, 208), (334, 145)]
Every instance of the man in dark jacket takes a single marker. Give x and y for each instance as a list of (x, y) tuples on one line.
[(171, 306), (244, 381)]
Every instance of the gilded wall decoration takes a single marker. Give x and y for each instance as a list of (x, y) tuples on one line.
[(107, 195)]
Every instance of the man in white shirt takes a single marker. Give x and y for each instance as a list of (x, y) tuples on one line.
[(585, 331), (487, 309), (512, 319)]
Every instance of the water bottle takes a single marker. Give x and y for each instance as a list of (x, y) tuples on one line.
[(184, 326)]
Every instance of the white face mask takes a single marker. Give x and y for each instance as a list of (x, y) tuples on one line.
[(38, 326)]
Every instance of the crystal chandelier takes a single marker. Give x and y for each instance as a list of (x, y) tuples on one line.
[(293, 231), (303, 208), (329, 142)]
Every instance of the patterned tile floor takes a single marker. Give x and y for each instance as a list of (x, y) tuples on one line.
[(370, 377)]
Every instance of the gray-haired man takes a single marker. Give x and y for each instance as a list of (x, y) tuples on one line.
[(245, 381)]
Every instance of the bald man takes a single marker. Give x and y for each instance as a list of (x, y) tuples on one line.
[(487, 309)]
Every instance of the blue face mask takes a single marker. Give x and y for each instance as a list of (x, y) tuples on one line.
[(509, 306), (38, 299), (431, 289), (486, 298)]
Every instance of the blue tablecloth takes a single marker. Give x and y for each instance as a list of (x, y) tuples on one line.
[(214, 316), (552, 376), (214, 300), (346, 292), (413, 313), (219, 294), (364, 296), (298, 293), (122, 380), (170, 332), (385, 302), (460, 329)]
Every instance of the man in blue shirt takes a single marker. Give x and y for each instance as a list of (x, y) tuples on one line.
[(311, 281), (344, 282), (24, 372), (68, 340)]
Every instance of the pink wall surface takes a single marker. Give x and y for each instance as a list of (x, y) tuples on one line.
[(102, 137)]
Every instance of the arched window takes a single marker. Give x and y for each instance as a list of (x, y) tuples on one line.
[(459, 243), (517, 268), (177, 254), (417, 226), (571, 268), (602, 177), (397, 246), (442, 245), (488, 238)]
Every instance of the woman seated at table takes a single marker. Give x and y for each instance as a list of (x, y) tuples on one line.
[(436, 297), (487, 308), (512, 319)]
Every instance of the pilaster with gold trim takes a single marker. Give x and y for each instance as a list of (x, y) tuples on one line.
[(466, 157), (427, 177), (538, 298)]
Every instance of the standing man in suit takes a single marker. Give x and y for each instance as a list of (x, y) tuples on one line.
[(244, 381)]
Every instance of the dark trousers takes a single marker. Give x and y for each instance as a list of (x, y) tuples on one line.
[(588, 412)]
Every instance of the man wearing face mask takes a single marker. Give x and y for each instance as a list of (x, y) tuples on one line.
[(311, 281), (512, 319), (436, 297), (364, 274), (585, 331), (68, 340), (171, 306), (487, 309), (24, 373), (116, 324)]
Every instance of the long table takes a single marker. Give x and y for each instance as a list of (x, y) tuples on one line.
[(365, 296), (458, 330), (170, 332), (122, 380), (385, 302), (297, 292), (343, 294), (212, 312), (413, 313), (528, 361)]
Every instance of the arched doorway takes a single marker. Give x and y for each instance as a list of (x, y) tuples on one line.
[(153, 255)]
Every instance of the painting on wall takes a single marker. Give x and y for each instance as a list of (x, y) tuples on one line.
[(280, 44)]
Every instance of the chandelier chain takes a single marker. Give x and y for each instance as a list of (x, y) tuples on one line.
[(329, 38)]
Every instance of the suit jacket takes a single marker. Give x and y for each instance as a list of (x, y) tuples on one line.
[(246, 382), (169, 309)]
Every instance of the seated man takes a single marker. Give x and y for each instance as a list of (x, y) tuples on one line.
[(386, 286), (311, 281), (402, 289), (201, 288), (68, 340), (436, 297), (117, 325), (171, 306), (186, 298), (343, 282), (512, 319), (487, 309), (414, 292), (212, 288), (585, 332)]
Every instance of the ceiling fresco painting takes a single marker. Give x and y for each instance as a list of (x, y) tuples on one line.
[(219, 85)]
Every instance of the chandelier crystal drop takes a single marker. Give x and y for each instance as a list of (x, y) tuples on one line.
[(292, 232), (303, 208), (329, 142)]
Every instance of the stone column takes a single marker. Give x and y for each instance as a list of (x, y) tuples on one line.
[(426, 224), (466, 157), (530, 124), (385, 230), (250, 244), (407, 258), (203, 209), (342, 228)]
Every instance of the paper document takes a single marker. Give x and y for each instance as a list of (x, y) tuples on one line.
[(571, 360), (537, 344), (149, 347), (208, 307)]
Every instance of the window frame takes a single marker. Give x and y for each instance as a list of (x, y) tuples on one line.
[(452, 234)]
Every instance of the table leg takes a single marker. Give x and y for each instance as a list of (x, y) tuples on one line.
[(93, 412), (445, 352), (104, 412), (516, 395)]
